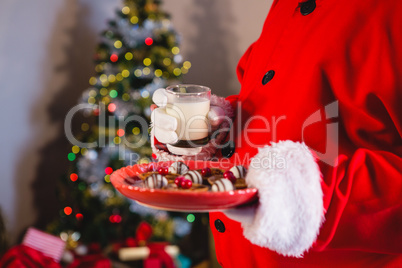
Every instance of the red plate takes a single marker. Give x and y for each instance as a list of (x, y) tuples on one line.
[(181, 200)]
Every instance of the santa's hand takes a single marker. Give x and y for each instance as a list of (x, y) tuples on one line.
[(290, 209), (164, 126)]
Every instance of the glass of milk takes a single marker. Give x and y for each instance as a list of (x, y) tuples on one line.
[(189, 104)]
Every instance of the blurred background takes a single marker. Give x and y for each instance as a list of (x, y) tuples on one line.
[(47, 52)]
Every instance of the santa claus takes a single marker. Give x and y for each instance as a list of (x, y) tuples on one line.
[(321, 90)]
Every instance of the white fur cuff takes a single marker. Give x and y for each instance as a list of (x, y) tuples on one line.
[(291, 208)]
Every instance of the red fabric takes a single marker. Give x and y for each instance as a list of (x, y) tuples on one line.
[(24, 256), (143, 233), (345, 51), (157, 251), (153, 263), (91, 260)]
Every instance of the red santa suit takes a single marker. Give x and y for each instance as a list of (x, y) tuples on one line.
[(327, 73), (320, 107)]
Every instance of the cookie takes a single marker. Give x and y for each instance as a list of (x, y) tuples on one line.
[(222, 185), (171, 177), (217, 171), (145, 175), (194, 176), (199, 188), (155, 181), (211, 180), (178, 168), (240, 184), (238, 171)]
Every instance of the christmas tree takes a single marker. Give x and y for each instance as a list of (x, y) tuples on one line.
[(138, 54)]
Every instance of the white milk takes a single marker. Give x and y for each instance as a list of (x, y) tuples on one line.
[(191, 119)]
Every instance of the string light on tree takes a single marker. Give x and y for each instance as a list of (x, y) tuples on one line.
[(84, 127), (175, 50), (190, 218), (167, 61), (111, 107), (111, 78), (158, 72), (120, 132), (71, 156), (99, 68), (149, 41), (73, 177), (93, 81), (113, 93), (115, 218), (103, 91), (118, 44), (114, 57), (108, 170), (68, 210), (125, 73), (126, 97), (134, 20), (91, 100), (137, 72), (125, 10), (129, 56), (75, 149), (146, 71), (147, 61), (79, 216), (119, 77), (136, 131), (84, 151)]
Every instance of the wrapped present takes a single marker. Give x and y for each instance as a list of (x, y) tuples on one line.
[(24, 256), (49, 245)]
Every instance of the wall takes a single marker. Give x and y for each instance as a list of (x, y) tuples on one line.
[(46, 51)]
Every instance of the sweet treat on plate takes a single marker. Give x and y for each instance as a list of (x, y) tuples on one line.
[(163, 170), (217, 171), (155, 181), (132, 180), (178, 168), (199, 188), (211, 180), (145, 175), (222, 185), (240, 184), (194, 176), (229, 175), (238, 171), (206, 172), (179, 177)]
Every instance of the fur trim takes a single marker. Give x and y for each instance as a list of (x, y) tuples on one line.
[(291, 210), (209, 150)]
